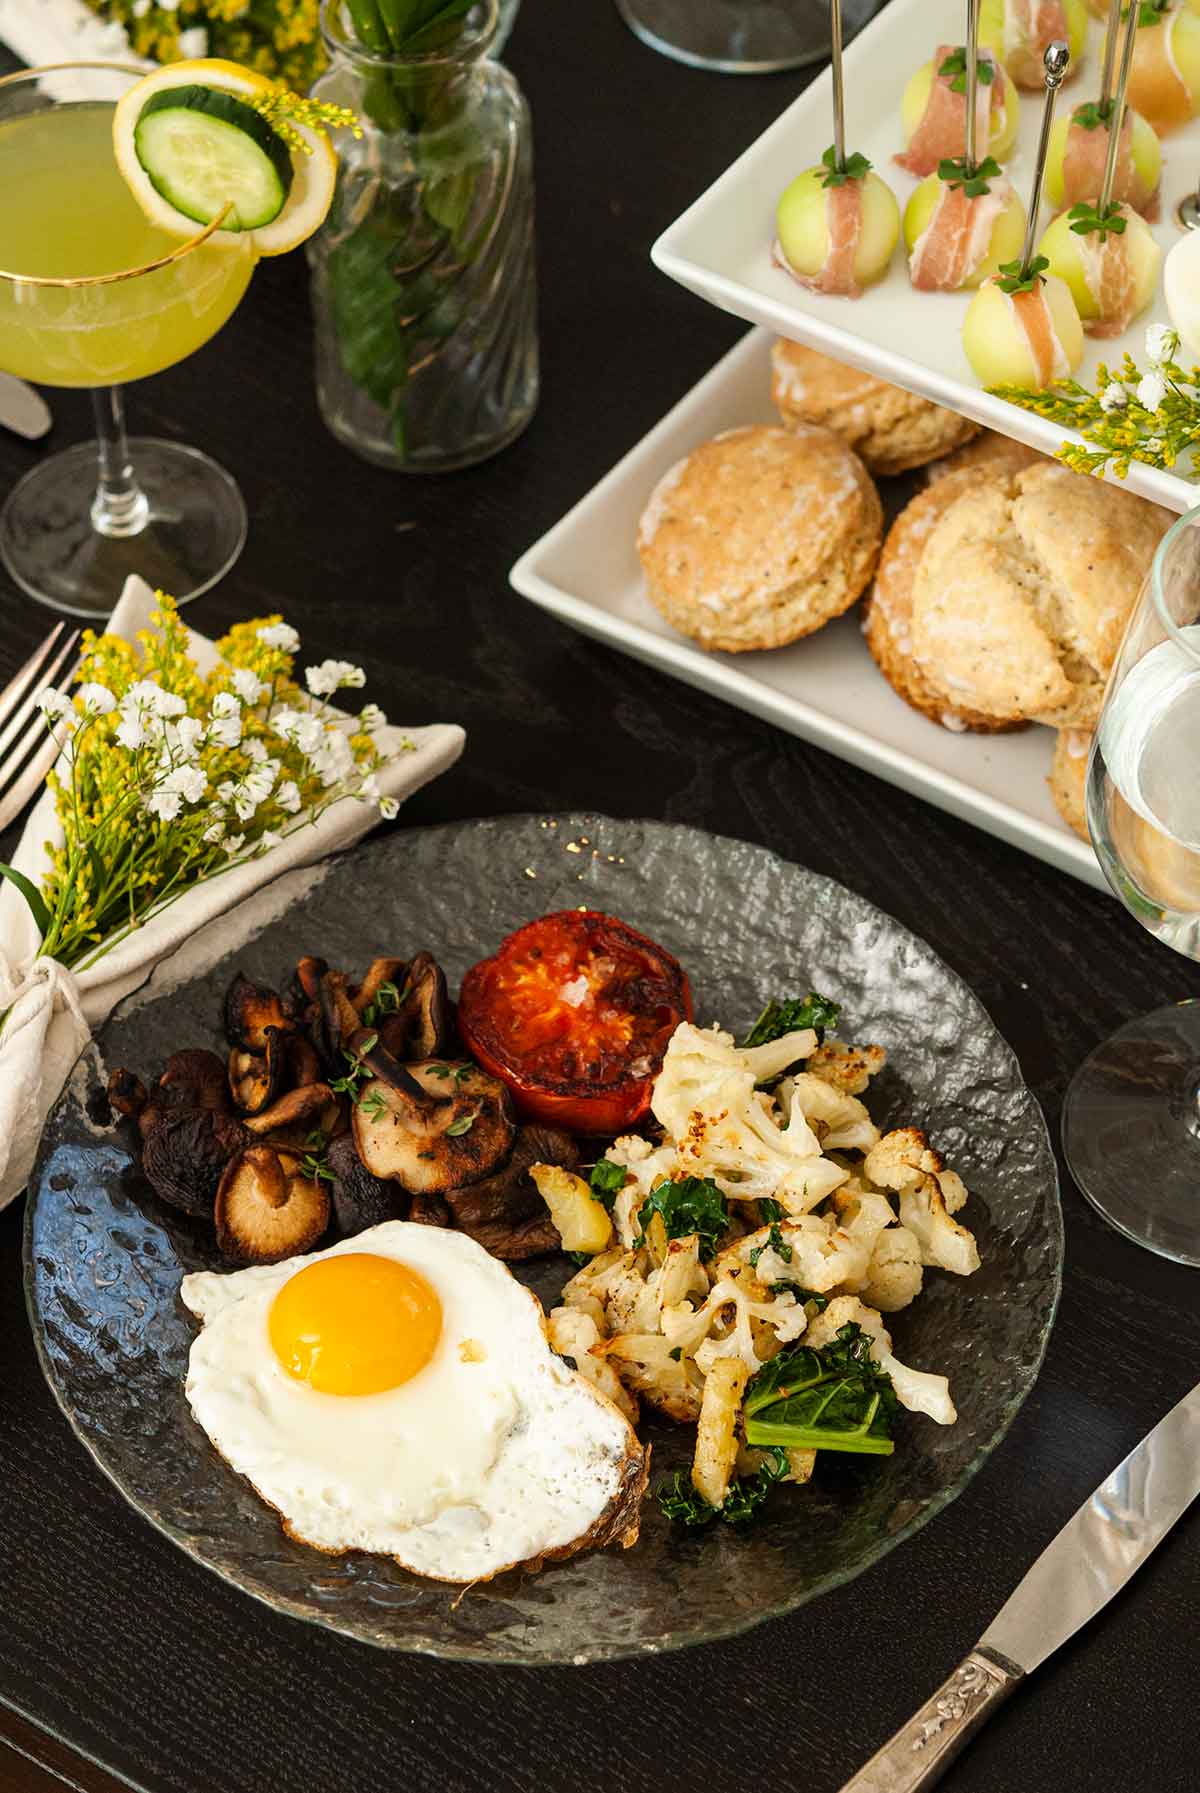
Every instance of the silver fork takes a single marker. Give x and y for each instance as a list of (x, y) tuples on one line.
[(28, 752)]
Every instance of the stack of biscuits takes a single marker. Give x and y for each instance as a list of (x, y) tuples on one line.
[(997, 599)]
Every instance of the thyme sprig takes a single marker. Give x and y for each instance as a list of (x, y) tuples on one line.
[(1152, 418)]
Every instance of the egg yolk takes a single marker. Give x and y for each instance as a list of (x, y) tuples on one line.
[(355, 1324)]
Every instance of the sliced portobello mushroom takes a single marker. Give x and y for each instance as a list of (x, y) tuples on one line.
[(266, 1208), (360, 1199), (185, 1153), (257, 1079), (454, 1128), (420, 1027), (503, 1212), (249, 1010)]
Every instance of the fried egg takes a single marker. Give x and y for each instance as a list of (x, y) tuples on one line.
[(396, 1394)]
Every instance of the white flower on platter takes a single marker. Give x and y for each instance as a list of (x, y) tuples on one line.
[(280, 635), (369, 786), (248, 685), (188, 782), (97, 700), (268, 839), (255, 750), (164, 804), (53, 705), (1114, 397), (288, 796), (1152, 389), (245, 796), (1162, 343), (301, 728), (225, 723), (389, 808), (371, 716), (333, 760), (233, 843), (181, 742), (333, 675), (212, 834), (149, 695)]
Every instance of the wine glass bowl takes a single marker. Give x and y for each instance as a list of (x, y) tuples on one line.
[(1131, 1121), (93, 295)]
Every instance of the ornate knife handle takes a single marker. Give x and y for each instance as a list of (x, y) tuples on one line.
[(920, 1752)]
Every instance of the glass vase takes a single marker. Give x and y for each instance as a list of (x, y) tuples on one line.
[(423, 284)]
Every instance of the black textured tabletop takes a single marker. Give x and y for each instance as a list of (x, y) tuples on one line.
[(113, 1645)]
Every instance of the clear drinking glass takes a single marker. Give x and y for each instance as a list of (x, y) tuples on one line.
[(1131, 1123), (93, 295), (741, 37)]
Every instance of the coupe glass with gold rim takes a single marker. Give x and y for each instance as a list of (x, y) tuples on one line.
[(1131, 1122), (93, 295)]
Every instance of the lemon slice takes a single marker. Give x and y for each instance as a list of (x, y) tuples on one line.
[(189, 144)]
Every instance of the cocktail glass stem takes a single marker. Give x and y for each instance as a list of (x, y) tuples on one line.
[(120, 507)]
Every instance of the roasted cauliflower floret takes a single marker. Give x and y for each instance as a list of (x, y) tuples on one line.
[(573, 1334), (929, 1195), (848, 1068), (918, 1390)]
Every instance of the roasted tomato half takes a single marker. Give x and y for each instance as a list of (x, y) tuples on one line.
[(574, 1013)]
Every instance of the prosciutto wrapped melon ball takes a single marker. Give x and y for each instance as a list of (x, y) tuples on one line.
[(1112, 274), (959, 231), (1023, 332), (1077, 152), (1018, 32), (835, 231), (1164, 80), (933, 110)]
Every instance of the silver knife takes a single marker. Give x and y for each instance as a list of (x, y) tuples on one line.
[(1089, 1561), (22, 409)]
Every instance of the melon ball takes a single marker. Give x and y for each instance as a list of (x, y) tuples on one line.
[(1066, 252), (802, 226), (1004, 35), (1164, 56), (996, 345), (1003, 124), (1144, 149), (1008, 231), (1181, 289)]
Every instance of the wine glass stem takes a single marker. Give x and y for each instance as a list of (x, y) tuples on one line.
[(120, 507)]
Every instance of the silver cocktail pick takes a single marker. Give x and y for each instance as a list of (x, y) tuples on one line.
[(1055, 63), (1117, 115), (1110, 51), (839, 92), (972, 78)]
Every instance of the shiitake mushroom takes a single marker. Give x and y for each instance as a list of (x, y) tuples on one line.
[(379, 973), (256, 1079), (360, 1199), (503, 1212), (250, 1009), (193, 1078), (419, 1027), (267, 1207), (127, 1094), (185, 1153), (301, 1112), (433, 1127)]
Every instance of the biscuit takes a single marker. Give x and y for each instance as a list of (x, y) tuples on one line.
[(887, 616), (1023, 590), (891, 429), (1068, 777), (760, 536), (988, 452)]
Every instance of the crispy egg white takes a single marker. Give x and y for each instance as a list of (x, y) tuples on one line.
[(492, 1453)]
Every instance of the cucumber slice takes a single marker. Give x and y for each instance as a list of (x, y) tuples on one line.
[(202, 149)]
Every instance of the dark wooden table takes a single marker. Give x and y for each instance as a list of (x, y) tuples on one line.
[(115, 1649)]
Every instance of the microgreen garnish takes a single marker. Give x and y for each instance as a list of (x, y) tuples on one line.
[(1150, 12), (1088, 220), (1015, 277), (852, 169), (1093, 115), (972, 179), (463, 1124), (956, 65)]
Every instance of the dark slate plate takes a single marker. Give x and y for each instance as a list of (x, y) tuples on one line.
[(104, 1258)]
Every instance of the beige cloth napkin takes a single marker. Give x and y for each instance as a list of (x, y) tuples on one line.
[(51, 1011)]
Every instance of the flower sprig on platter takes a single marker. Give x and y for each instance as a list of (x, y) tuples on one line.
[(170, 776), (1151, 417)]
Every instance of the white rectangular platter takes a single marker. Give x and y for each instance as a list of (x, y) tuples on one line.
[(721, 246), (826, 688)]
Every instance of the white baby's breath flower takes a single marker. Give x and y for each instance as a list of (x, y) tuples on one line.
[(164, 804), (233, 843), (268, 839), (1152, 389), (53, 705), (371, 716), (333, 675), (1162, 342), (333, 760), (225, 723), (301, 728), (1114, 397), (248, 685), (188, 781), (280, 635), (288, 796), (389, 808), (180, 742), (147, 698), (214, 831), (369, 786), (255, 749), (193, 42), (97, 700)]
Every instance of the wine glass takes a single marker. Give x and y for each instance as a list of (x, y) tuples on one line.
[(94, 295), (741, 37), (1131, 1122)]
